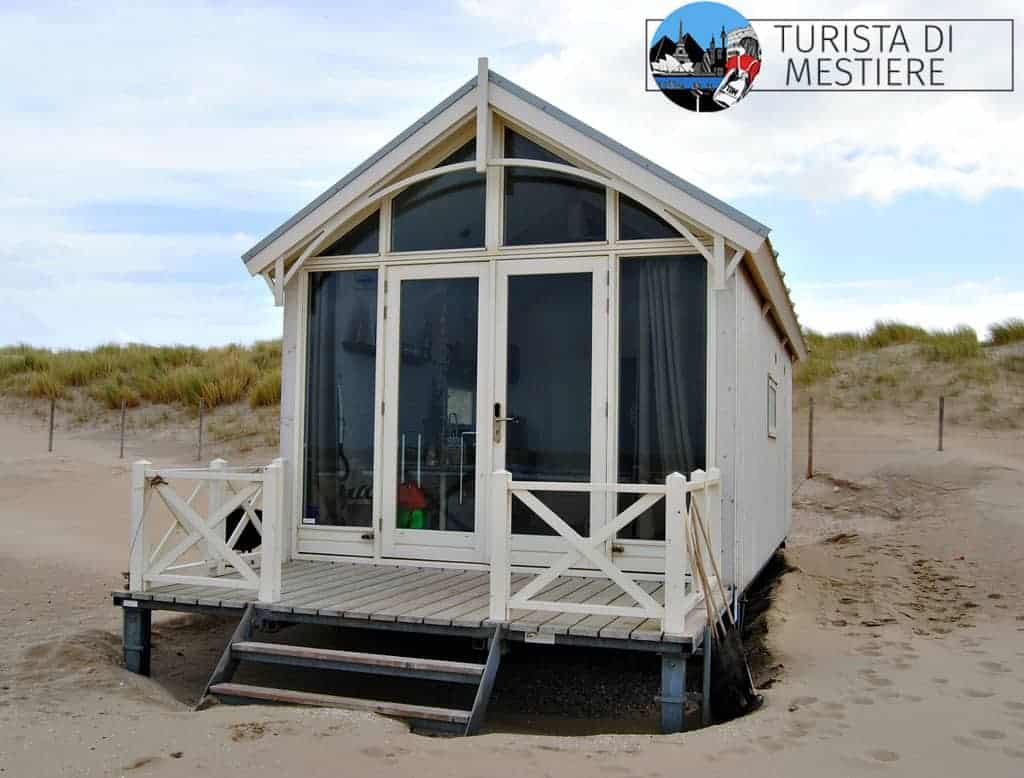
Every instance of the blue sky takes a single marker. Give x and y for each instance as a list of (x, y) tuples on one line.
[(147, 147), (700, 20)]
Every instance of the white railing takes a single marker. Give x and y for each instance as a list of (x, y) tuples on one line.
[(692, 509), (196, 549)]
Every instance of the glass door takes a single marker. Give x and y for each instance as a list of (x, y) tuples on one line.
[(548, 418), (435, 324)]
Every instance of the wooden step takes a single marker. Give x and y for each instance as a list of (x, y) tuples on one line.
[(241, 691), (359, 662)]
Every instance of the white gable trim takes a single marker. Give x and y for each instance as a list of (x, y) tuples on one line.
[(418, 138), (609, 163)]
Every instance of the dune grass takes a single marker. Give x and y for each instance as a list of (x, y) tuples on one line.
[(956, 346), (1006, 332), (136, 374)]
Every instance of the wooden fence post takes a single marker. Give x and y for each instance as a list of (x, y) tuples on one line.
[(677, 558), (53, 407), (500, 501), (214, 499), (124, 410), (199, 448), (137, 548), (810, 439), (942, 417), (270, 543)]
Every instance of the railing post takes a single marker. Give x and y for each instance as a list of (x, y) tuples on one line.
[(500, 501), (713, 514), (677, 561), (270, 544), (138, 550), (214, 499)]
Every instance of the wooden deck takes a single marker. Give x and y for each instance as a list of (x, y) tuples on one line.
[(429, 597)]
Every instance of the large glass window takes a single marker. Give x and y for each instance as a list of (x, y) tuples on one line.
[(662, 376), (341, 359), (639, 223), (550, 354), (437, 382), (543, 206), (446, 212), (361, 239)]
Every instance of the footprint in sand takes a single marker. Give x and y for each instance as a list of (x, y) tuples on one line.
[(882, 755), (989, 734), (1015, 753), (978, 694), (994, 667), (804, 700), (1013, 705), (940, 681), (860, 700)]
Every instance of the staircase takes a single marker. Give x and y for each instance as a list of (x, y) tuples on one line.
[(241, 648)]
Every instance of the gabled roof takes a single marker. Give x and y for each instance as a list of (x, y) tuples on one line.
[(361, 168), (511, 100), (612, 145)]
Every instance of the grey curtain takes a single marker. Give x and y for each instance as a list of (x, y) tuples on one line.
[(662, 375)]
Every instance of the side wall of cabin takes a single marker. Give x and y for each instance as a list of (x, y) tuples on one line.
[(757, 510)]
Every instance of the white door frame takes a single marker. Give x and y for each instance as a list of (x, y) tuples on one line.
[(542, 549), (434, 544)]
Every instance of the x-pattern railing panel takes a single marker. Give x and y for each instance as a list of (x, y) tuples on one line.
[(230, 491), (589, 548)]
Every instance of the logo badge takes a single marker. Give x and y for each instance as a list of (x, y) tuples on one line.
[(705, 57)]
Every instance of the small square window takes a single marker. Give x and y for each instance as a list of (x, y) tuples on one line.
[(773, 406)]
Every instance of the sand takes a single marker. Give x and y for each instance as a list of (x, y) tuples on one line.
[(894, 644)]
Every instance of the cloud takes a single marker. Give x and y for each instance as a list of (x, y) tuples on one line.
[(251, 113), (816, 146), (855, 306)]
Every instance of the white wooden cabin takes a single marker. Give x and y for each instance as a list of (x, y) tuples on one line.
[(520, 361)]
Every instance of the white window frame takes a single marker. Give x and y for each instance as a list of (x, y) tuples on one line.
[(772, 407)]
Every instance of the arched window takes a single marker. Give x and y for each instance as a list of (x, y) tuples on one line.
[(639, 223), (446, 212), (364, 238), (543, 206)]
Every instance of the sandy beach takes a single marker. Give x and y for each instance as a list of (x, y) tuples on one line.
[(894, 641)]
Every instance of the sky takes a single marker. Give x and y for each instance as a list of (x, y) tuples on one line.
[(702, 20), (147, 146)]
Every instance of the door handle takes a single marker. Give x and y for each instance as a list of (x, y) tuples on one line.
[(500, 420)]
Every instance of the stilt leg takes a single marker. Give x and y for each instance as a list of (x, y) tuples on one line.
[(673, 693), (705, 703), (137, 639)]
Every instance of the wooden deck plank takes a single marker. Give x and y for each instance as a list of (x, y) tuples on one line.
[(591, 626), (622, 627), (340, 573), (406, 604), (459, 603), (559, 623), (481, 584), (354, 577), (374, 579), (560, 589), (476, 616), (361, 605), (376, 609)]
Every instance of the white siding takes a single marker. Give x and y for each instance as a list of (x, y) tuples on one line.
[(762, 463)]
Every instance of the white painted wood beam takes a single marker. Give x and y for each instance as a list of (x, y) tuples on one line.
[(279, 281), (483, 115), (734, 263), (718, 262)]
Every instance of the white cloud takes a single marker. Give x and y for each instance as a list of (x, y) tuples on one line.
[(855, 306), (815, 146), (205, 106)]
